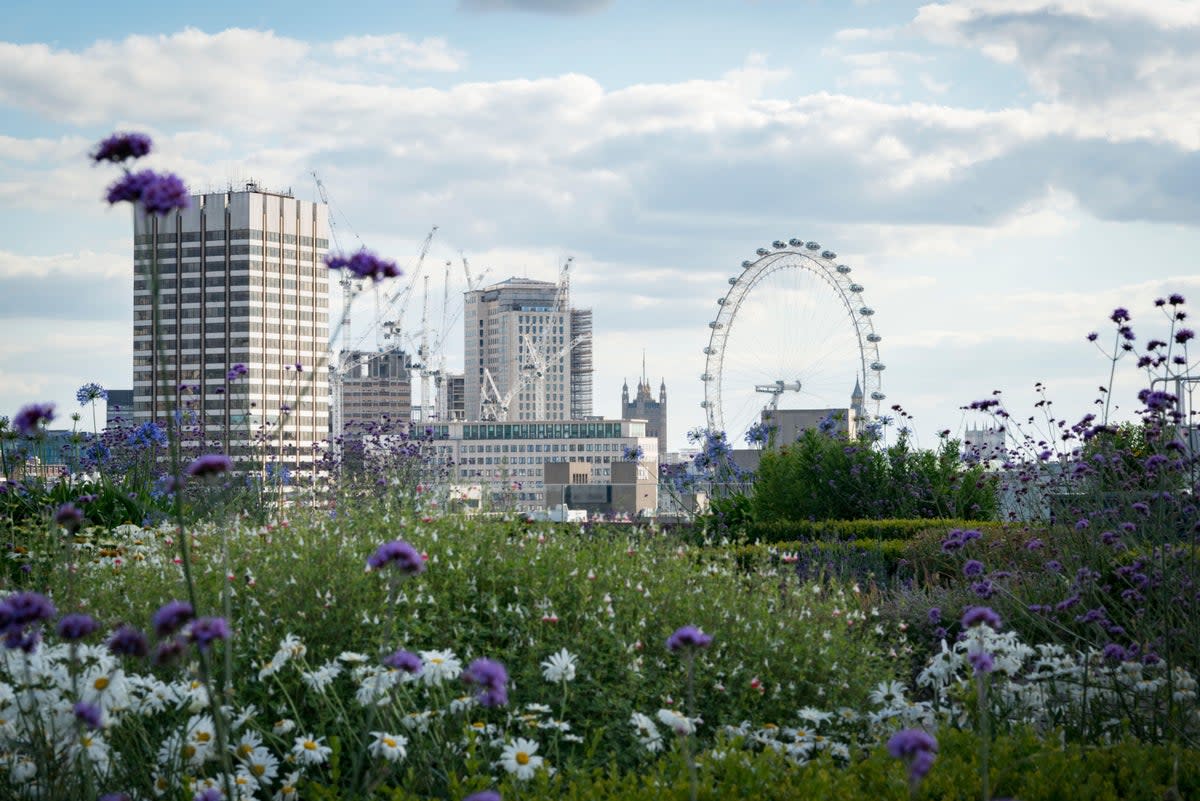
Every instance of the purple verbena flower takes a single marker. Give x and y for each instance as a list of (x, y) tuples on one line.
[(973, 567), (211, 794), (210, 464), (492, 680), (1120, 315), (166, 194), (77, 626), (206, 630), (982, 662), (980, 614), (169, 652), (27, 419), (69, 517), (917, 748), (935, 615), (122, 146), (688, 638), (404, 660), (89, 715), (171, 616), (485, 795), (364, 264), (128, 641), (398, 552)]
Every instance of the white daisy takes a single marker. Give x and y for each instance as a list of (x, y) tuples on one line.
[(389, 746), (520, 757), (309, 750), (680, 724), (559, 668), (647, 732), (262, 765), (439, 666)]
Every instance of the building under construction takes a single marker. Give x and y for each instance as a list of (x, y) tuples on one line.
[(527, 353)]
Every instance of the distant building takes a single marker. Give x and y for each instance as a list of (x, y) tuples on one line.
[(644, 407), (987, 445), (631, 488), (452, 397), (521, 326), (507, 460), (378, 387), (119, 408), (788, 425), (240, 281)]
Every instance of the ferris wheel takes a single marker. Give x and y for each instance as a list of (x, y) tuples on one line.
[(804, 338)]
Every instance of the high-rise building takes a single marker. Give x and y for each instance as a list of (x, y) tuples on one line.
[(118, 410), (377, 387), (241, 281), (517, 347), (644, 407)]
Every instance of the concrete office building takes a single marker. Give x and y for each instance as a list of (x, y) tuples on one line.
[(452, 397), (118, 408), (378, 386), (508, 460), (241, 280), (517, 327)]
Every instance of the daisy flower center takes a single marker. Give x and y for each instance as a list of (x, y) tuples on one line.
[(310, 745), (522, 758), (101, 683)]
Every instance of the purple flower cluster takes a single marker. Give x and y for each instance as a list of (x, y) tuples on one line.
[(90, 392), (89, 715), (206, 630), (128, 641), (21, 616), (980, 614), (688, 638), (404, 660), (399, 553), (77, 626), (364, 264), (171, 617), (158, 193), (236, 372), (917, 748), (485, 795), (492, 680), (27, 419), (211, 464), (982, 662), (122, 146), (69, 517)]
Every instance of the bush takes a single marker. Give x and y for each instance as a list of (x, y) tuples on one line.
[(823, 477), (886, 529)]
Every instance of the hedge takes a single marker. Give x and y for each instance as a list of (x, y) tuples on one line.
[(795, 530)]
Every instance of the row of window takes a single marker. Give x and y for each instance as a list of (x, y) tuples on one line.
[(235, 233)]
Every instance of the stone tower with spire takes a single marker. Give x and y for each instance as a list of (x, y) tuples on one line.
[(856, 403), (644, 407)]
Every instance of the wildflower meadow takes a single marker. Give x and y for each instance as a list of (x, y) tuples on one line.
[(860, 620)]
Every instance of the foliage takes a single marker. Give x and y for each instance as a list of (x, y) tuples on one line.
[(823, 476), (884, 529)]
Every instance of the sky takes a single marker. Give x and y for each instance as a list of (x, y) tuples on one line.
[(999, 174)]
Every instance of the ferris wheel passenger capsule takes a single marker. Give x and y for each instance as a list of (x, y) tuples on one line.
[(856, 287), (843, 269), (866, 311), (720, 301), (706, 377), (874, 338), (747, 264), (828, 254), (779, 244), (796, 243), (812, 245), (762, 251), (733, 280), (878, 367), (877, 396)]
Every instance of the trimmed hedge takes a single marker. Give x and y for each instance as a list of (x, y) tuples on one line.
[(1023, 766), (795, 530)]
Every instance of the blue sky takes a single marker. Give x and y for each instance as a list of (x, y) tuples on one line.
[(1000, 173)]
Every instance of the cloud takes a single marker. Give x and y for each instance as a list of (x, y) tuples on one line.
[(431, 55), (564, 7)]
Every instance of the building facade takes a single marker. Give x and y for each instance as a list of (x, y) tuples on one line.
[(517, 339), (645, 407), (118, 409), (507, 459), (377, 388), (452, 397), (241, 280)]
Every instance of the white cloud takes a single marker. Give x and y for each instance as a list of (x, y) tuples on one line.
[(432, 54), (64, 265)]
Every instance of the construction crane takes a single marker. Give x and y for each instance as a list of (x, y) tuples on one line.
[(494, 406), (394, 327), (340, 364)]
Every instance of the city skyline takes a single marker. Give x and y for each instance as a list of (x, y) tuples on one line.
[(999, 175)]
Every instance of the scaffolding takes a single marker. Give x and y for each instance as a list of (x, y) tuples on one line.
[(581, 364)]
